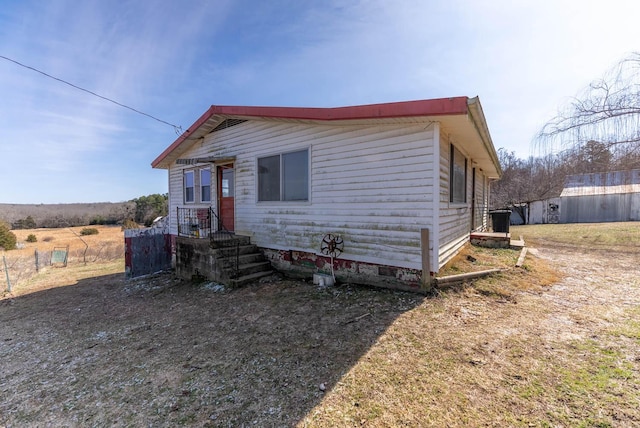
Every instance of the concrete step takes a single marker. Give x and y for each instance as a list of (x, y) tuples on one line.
[(225, 241), (250, 268), (243, 259), (227, 252), (250, 278)]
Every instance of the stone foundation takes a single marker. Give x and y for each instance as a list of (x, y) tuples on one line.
[(300, 264)]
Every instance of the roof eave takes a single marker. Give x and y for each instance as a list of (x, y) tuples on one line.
[(433, 107), (192, 133), (477, 116)]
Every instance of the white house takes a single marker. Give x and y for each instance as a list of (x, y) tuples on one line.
[(392, 190)]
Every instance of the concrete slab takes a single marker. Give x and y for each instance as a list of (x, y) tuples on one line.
[(490, 239)]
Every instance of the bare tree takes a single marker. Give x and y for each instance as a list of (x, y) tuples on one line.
[(607, 112), (525, 181), (514, 187)]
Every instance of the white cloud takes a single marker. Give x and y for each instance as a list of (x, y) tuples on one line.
[(522, 58)]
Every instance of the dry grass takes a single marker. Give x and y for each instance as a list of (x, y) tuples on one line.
[(554, 344), (507, 351), (106, 246), (473, 259), (621, 236), (107, 236), (534, 275)]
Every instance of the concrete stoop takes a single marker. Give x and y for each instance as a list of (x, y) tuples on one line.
[(241, 261)]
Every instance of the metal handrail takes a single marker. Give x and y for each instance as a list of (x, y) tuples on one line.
[(199, 223), (223, 234), (220, 226), (193, 222)]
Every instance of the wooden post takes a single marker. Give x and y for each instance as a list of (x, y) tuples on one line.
[(426, 265)]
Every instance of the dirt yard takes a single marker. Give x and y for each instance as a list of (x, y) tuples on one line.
[(80, 348)]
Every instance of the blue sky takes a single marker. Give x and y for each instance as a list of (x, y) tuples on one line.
[(172, 60)]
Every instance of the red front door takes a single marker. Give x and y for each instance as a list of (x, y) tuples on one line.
[(226, 192)]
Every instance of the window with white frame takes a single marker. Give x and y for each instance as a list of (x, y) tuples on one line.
[(284, 177), (205, 185), (457, 177), (228, 187), (189, 187)]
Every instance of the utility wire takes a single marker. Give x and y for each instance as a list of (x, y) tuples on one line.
[(176, 128)]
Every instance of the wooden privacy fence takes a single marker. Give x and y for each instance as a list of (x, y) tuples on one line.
[(147, 251)]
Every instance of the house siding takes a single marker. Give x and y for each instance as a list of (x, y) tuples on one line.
[(370, 184), (454, 218)]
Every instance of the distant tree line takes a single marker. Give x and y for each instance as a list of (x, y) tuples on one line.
[(598, 131), (142, 211), (148, 208), (537, 178)]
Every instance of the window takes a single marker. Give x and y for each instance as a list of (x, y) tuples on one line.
[(227, 183), (189, 187), (205, 185), (458, 177), (284, 177)]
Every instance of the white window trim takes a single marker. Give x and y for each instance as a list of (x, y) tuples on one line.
[(184, 186), (257, 179), (452, 149), (201, 170)]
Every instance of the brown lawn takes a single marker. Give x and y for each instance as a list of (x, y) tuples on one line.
[(553, 344)]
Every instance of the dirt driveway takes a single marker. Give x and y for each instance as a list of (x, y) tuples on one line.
[(160, 352), (599, 288)]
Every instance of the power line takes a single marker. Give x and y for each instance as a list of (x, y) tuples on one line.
[(177, 129)]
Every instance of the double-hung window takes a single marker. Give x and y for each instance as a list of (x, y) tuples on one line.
[(197, 183), (205, 185), (457, 177), (189, 187), (284, 177)]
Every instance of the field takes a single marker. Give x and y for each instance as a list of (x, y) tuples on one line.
[(108, 236), (554, 344), (106, 246)]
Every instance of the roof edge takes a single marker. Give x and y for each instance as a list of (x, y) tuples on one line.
[(431, 107), (477, 116)]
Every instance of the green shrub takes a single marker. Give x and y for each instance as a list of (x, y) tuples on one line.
[(149, 207), (7, 237), (32, 238), (98, 220), (89, 231), (26, 223)]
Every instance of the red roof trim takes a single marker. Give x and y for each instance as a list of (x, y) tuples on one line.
[(197, 124), (434, 107), (372, 111)]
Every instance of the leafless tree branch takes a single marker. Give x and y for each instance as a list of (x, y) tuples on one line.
[(607, 111)]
